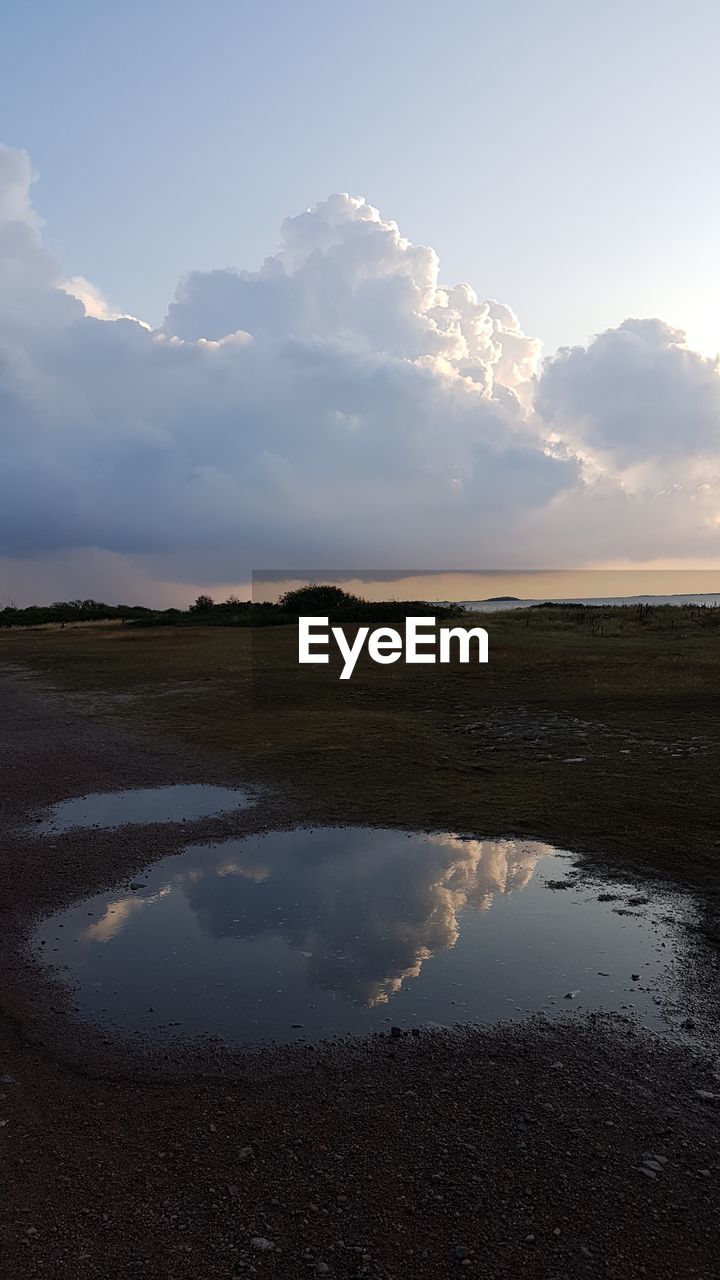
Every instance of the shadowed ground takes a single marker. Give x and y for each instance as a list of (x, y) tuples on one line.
[(492, 1154)]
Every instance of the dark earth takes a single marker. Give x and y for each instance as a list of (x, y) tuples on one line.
[(578, 1148)]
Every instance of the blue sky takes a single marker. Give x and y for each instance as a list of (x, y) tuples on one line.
[(559, 156), (339, 402)]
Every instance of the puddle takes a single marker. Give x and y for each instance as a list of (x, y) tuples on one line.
[(180, 803), (314, 933)]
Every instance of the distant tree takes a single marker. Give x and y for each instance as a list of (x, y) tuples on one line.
[(317, 599), (203, 604)]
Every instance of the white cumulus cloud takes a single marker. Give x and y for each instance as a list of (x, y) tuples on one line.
[(339, 406)]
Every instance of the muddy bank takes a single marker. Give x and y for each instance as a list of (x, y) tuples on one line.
[(577, 1148), (556, 1151)]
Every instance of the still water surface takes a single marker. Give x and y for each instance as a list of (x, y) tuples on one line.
[(183, 802), (312, 933)]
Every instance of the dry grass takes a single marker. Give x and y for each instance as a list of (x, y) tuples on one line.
[(636, 709)]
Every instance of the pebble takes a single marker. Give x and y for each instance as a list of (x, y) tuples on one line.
[(261, 1244), (322, 1269), (461, 1252)]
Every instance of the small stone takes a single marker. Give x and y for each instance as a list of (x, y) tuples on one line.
[(322, 1269), (530, 1239), (261, 1244), (648, 1172), (707, 1095), (245, 1153), (396, 1032), (570, 995), (461, 1252), (635, 977)]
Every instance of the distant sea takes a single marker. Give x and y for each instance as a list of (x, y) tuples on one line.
[(498, 606)]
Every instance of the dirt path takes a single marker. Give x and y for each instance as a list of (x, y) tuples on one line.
[(581, 1149)]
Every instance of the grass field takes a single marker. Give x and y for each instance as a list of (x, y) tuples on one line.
[(594, 730)]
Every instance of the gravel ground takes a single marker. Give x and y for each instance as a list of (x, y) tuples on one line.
[(580, 1148)]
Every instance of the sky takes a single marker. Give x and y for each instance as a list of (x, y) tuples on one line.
[(557, 159)]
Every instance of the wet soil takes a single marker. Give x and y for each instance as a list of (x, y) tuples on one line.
[(580, 1148)]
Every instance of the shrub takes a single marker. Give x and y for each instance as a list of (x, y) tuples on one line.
[(317, 600)]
